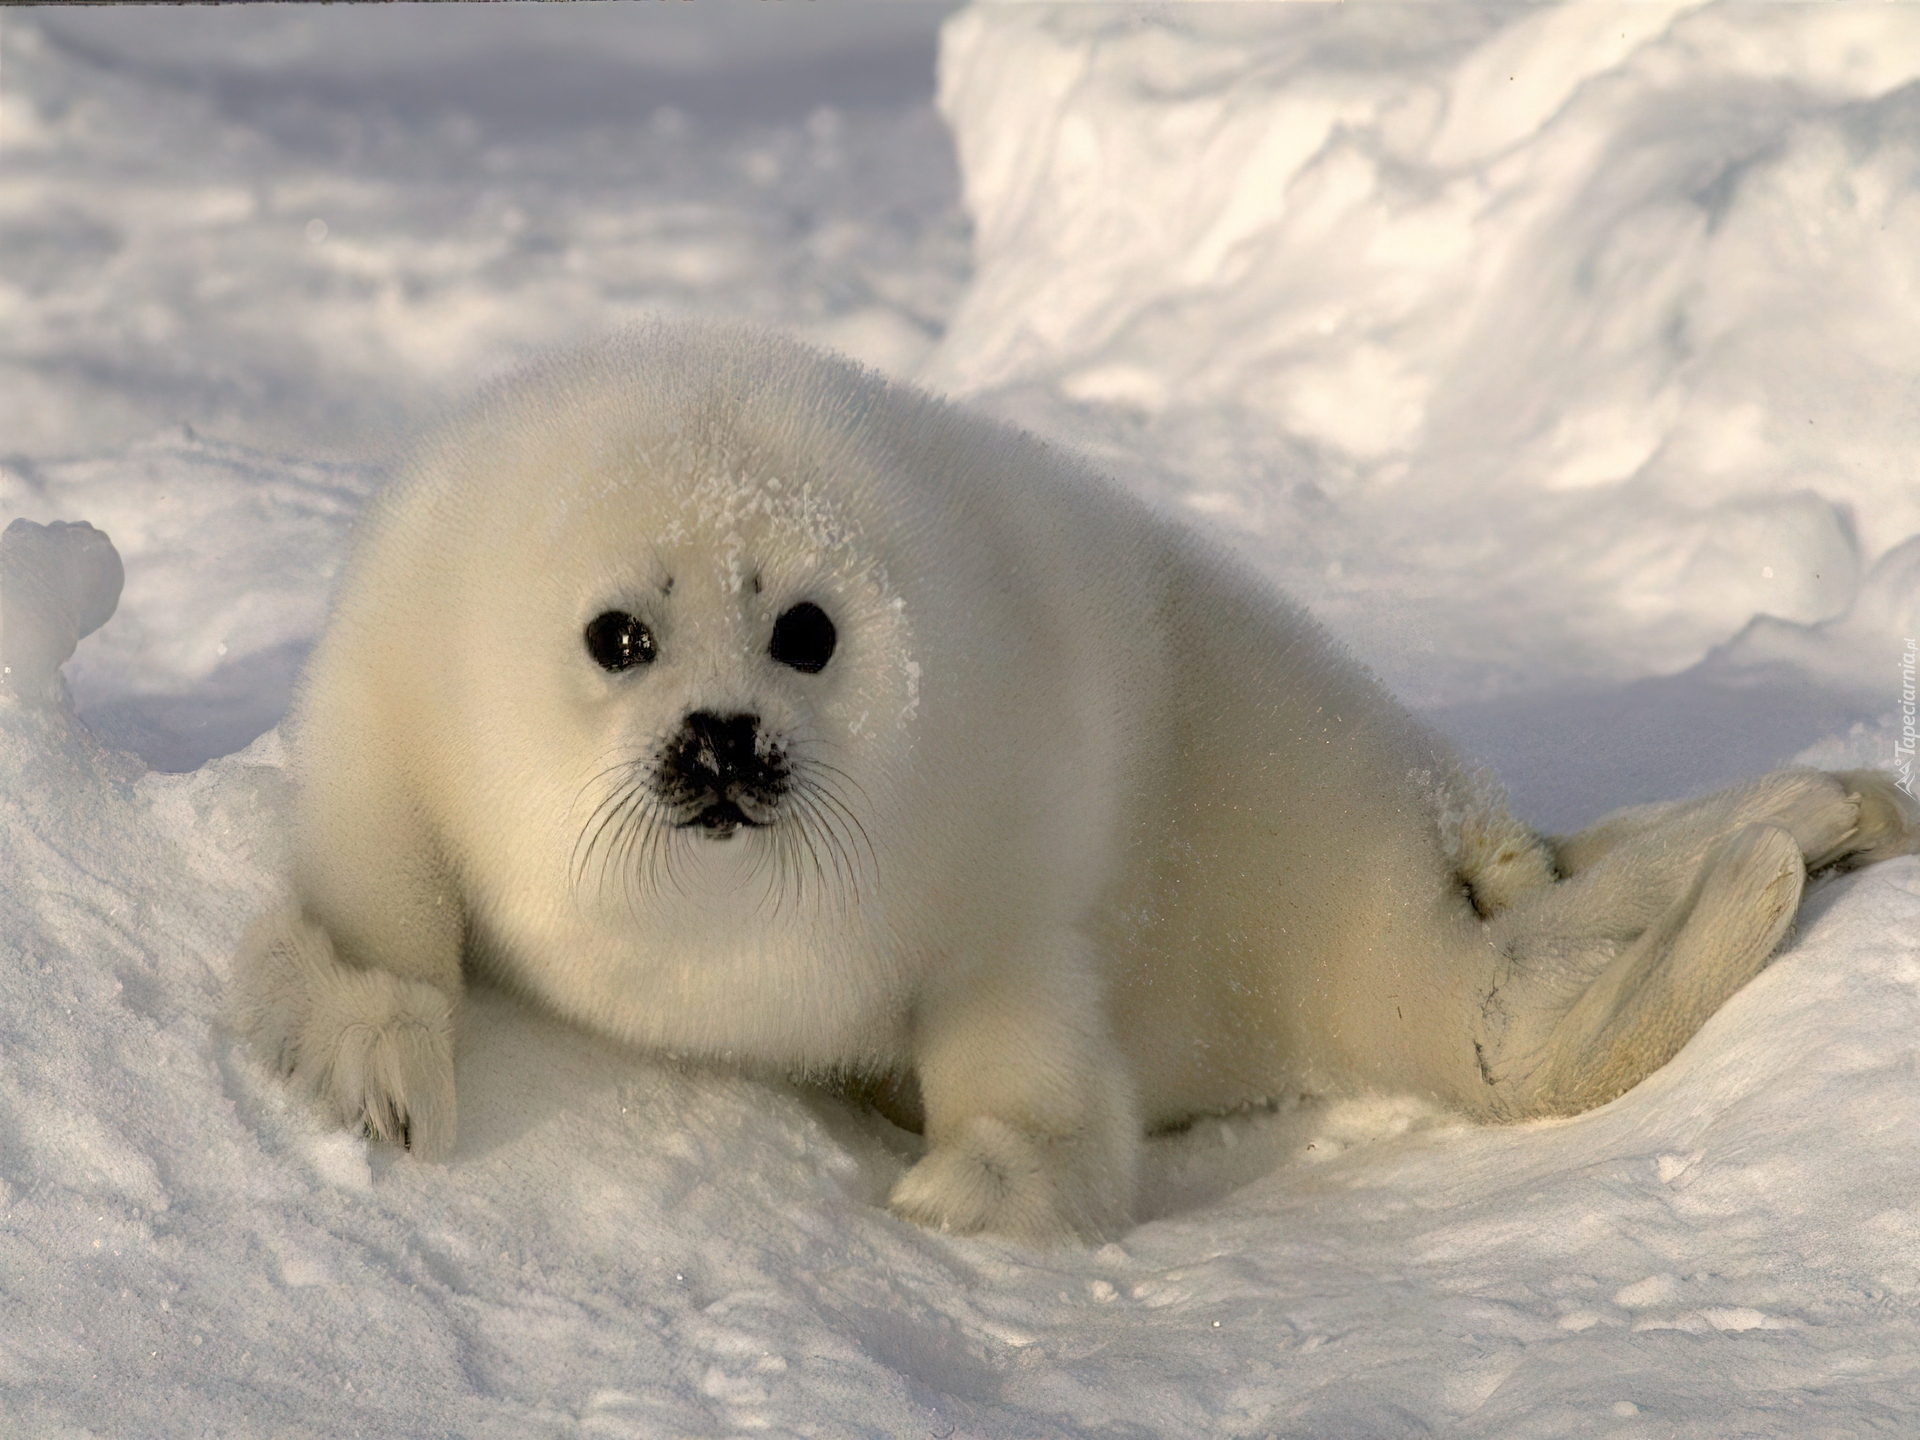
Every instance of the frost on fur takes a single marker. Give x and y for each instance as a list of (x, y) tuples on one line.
[(377, 1050)]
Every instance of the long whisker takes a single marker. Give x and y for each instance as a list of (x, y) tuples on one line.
[(590, 832), (619, 829), (781, 856), (848, 826), (838, 774), (814, 829), (638, 824)]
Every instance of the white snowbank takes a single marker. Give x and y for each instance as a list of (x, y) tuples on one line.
[(1602, 316), (229, 555)]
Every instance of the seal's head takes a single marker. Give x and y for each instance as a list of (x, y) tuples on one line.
[(680, 668)]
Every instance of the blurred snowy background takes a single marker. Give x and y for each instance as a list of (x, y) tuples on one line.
[(1565, 360)]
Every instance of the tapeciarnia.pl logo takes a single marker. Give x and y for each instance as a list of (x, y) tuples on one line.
[(1903, 747)]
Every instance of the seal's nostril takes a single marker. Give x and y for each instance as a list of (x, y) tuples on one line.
[(715, 763), (714, 770), (721, 745)]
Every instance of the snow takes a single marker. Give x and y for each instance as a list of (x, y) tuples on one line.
[(1605, 313), (58, 584), (1563, 359)]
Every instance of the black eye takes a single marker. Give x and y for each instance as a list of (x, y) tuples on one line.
[(618, 641), (803, 638)]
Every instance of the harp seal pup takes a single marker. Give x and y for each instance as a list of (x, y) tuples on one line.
[(726, 698)]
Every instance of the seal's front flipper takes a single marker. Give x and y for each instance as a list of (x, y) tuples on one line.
[(376, 1049), (1032, 1126)]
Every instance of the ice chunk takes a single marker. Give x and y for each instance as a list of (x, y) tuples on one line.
[(58, 583)]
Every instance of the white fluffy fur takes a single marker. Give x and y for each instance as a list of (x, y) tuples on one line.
[(376, 1048), (1095, 833)]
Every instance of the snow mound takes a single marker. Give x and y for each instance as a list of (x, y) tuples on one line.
[(230, 554), (1607, 315), (619, 1245), (58, 584)]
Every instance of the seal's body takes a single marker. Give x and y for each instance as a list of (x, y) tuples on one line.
[(730, 700)]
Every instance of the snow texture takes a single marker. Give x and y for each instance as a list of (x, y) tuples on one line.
[(1564, 359), (58, 584)]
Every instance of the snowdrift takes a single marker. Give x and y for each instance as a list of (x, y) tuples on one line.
[(1604, 317)]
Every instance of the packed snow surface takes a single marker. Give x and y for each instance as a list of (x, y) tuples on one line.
[(1566, 360)]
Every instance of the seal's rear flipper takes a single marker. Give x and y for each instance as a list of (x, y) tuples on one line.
[(1649, 1001), (1889, 818), (1665, 912)]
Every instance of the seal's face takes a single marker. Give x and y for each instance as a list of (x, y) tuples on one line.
[(718, 772), (732, 699)]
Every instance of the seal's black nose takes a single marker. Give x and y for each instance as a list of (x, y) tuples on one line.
[(715, 776), (714, 749)]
